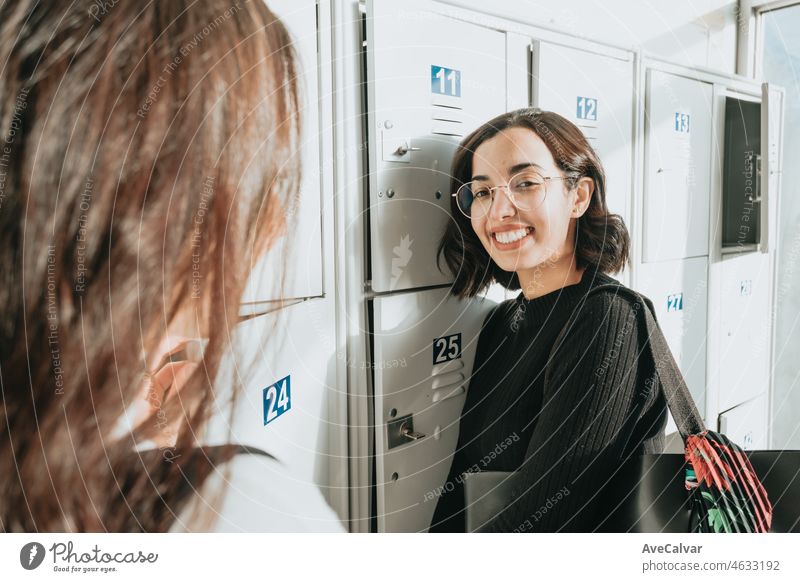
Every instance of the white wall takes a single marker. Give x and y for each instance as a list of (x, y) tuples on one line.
[(698, 33)]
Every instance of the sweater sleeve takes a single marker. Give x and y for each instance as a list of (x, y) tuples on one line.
[(584, 425)]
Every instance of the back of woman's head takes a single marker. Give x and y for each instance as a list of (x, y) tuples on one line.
[(146, 149)]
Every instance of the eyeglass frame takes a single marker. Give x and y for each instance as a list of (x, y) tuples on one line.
[(507, 186)]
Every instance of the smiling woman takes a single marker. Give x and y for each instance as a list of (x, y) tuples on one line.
[(555, 202), (529, 212)]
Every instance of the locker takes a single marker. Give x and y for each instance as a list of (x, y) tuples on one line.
[(772, 103), (741, 192), (679, 292), (747, 424), (678, 145), (431, 80), (298, 254), (286, 363), (594, 91), (424, 347), (745, 325)]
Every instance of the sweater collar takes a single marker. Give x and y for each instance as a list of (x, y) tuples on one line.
[(540, 307)]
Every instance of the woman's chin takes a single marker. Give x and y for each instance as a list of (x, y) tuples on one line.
[(516, 264)]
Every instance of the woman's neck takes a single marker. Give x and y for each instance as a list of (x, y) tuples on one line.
[(549, 276)]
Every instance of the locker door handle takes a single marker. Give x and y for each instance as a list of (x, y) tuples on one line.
[(756, 162), (400, 431), (404, 149), (407, 431)]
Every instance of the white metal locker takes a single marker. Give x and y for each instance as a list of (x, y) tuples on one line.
[(286, 362), (745, 326), (301, 248), (594, 91), (679, 291), (424, 347), (747, 424), (431, 80), (771, 162), (678, 146)]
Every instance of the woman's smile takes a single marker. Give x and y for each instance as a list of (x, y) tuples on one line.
[(510, 238)]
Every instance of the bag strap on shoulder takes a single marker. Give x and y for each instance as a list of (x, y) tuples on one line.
[(679, 399)]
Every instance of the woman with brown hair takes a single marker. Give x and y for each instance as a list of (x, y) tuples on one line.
[(148, 150), (529, 212)]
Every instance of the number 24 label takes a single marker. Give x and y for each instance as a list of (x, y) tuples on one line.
[(277, 399)]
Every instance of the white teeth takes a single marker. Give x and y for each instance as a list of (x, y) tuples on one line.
[(512, 235)]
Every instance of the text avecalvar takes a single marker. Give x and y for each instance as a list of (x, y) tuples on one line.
[(671, 549)]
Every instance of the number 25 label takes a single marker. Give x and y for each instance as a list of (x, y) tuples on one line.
[(446, 348)]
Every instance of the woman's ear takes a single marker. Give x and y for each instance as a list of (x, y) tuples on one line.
[(584, 189)]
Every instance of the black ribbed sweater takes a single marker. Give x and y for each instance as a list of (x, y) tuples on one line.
[(569, 436)]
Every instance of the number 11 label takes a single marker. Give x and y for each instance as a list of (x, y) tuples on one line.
[(445, 81), (277, 399)]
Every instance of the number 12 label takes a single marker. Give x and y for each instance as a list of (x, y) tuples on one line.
[(445, 81), (586, 108), (277, 399), (681, 122)]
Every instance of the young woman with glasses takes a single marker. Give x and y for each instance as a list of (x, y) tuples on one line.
[(529, 212)]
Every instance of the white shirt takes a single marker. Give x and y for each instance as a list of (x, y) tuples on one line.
[(259, 496)]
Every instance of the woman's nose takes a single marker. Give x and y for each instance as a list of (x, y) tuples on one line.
[(501, 206)]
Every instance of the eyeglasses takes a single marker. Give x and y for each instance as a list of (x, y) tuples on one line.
[(526, 190)]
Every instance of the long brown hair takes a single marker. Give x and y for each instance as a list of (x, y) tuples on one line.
[(602, 238), (145, 150)]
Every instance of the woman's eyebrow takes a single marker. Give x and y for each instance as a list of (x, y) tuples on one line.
[(512, 170)]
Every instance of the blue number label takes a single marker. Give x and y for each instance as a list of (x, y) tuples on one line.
[(446, 348), (445, 81), (587, 108), (681, 122), (745, 287), (675, 302), (277, 399)]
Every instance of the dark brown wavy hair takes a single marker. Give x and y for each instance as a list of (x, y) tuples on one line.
[(602, 238), (145, 150)]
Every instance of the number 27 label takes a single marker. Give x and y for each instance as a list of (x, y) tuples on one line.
[(277, 399)]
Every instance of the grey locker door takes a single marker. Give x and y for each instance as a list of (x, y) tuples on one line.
[(679, 292), (772, 99), (745, 326), (431, 80), (594, 91), (301, 247), (423, 350), (747, 424), (678, 145)]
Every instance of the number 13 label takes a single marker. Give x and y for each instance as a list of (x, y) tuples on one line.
[(446, 348), (277, 399)]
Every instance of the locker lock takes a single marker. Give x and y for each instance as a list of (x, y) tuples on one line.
[(401, 431), (404, 149)]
